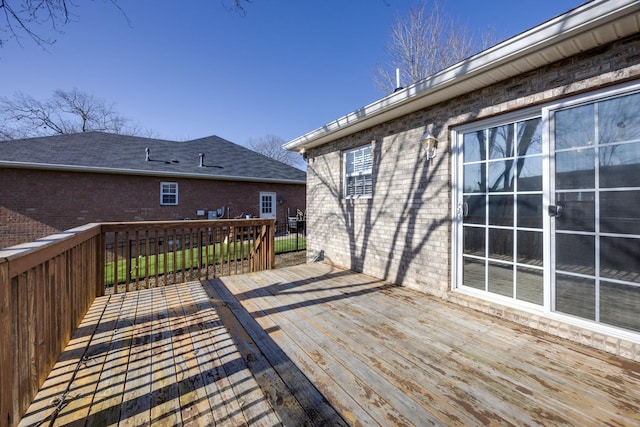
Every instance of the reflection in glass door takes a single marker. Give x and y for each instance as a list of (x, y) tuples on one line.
[(596, 216), (501, 210)]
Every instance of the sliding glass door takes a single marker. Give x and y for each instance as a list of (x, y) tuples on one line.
[(548, 210)]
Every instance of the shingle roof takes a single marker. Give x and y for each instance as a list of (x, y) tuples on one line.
[(105, 152)]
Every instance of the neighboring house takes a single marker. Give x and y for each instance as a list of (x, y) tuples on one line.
[(530, 207), (51, 184)]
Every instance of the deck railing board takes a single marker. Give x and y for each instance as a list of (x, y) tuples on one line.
[(45, 296), (47, 286)]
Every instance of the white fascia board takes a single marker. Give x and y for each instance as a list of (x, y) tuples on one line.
[(73, 168), (585, 27)]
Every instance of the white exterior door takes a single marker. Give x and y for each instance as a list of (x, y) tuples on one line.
[(267, 205)]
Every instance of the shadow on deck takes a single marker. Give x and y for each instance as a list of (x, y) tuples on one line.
[(314, 345)]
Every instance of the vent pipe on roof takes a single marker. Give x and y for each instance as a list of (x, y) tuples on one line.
[(398, 87), (201, 159), (146, 154)]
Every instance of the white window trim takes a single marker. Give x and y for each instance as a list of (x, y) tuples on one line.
[(163, 193), (360, 173)]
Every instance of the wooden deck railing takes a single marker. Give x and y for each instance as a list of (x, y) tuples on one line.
[(47, 286), (146, 254)]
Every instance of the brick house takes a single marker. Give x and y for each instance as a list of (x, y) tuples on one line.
[(528, 207), (55, 183)]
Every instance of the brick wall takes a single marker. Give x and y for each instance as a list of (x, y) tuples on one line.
[(403, 233), (35, 203)]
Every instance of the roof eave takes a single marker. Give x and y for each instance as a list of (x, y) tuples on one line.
[(73, 168), (585, 27)]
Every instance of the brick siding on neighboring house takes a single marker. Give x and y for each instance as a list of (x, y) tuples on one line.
[(37, 203), (404, 232), (54, 183)]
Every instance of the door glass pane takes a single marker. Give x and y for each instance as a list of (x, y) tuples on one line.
[(578, 211), (501, 244), (530, 210), (575, 127), (474, 243), (620, 212), (473, 273), (618, 119), (575, 169), (530, 137), (474, 181), (266, 205), (474, 146), (620, 258), (576, 295), (474, 209), (529, 285), (620, 165), (619, 305), (575, 253), (530, 247), (501, 210), (501, 279), (530, 173), (501, 175), (501, 142)]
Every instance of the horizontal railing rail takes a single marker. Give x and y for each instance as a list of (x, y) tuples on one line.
[(47, 286)]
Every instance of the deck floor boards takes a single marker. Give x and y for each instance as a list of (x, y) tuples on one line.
[(317, 345)]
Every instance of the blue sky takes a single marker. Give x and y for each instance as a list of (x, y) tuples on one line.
[(285, 68)]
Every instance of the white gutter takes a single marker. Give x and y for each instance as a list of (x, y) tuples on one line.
[(72, 168), (585, 27)]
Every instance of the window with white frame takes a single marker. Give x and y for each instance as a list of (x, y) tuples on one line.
[(358, 167), (169, 193)]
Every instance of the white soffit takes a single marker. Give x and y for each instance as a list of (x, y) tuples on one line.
[(593, 24)]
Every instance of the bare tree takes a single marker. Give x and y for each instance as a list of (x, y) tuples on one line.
[(26, 18), (422, 43), (65, 112), (236, 5), (271, 146)]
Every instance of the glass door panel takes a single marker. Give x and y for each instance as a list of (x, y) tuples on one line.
[(501, 210), (596, 187)]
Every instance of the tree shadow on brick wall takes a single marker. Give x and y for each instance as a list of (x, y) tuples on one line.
[(364, 219)]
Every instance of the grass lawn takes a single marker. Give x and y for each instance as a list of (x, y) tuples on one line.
[(186, 259)]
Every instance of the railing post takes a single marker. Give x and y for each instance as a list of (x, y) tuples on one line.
[(9, 408), (272, 245), (101, 261)]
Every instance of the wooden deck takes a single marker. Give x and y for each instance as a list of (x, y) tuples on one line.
[(315, 345)]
